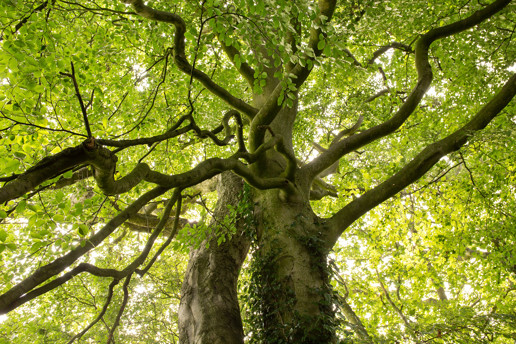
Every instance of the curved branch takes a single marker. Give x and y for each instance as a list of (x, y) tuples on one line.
[(425, 76), (227, 130), (180, 56), (416, 168), (385, 48), (101, 314), (20, 292)]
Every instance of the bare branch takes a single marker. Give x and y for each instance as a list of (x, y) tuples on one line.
[(101, 314), (396, 308), (170, 133), (121, 310), (171, 236), (16, 122)]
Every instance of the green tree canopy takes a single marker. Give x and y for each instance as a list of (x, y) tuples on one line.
[(261, 171)]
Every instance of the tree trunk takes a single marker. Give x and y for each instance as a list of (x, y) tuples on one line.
[(290, 274), (209, 312), (291, 297)]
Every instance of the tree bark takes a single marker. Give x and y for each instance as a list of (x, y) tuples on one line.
[(209, 312), (292, 278)]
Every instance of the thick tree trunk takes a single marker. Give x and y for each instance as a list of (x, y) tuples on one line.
[(209, 312), (292, 279), (292, 298)]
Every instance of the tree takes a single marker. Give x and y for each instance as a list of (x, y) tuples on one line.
[(343, 171)]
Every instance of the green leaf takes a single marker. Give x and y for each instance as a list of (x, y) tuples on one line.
[(20, 208), (237, 61), (11, 246), (83, 229), (3, 234), (321, 44)]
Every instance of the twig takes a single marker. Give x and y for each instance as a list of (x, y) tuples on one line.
[(121, 311), (101, 314), (78, 94)]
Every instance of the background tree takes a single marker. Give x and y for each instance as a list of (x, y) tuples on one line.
[(266, 171)]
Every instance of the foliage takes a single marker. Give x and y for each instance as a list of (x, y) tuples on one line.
[(434, 261)]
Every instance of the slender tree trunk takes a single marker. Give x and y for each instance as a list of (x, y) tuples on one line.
[(209, 312)]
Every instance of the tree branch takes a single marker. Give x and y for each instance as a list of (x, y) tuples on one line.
[(271, 108), (353, 318), (385, 48), (78, 94), (243, 68), (397, 309), (121, 310), (416, 168), (101, 314), (180, 56), (425, 76), (171, 236), (19, 294), (24, 20), (104, 163), (103, 272)]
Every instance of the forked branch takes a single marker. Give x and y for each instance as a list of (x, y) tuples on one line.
[(180, 57), (100, 315), (418, 166), (425, 77), (21, 292), (299, 74)]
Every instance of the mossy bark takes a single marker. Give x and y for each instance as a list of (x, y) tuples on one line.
[(290, 273)]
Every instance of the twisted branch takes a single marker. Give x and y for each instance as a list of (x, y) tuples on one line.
[(180, 56), (425, 76)]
